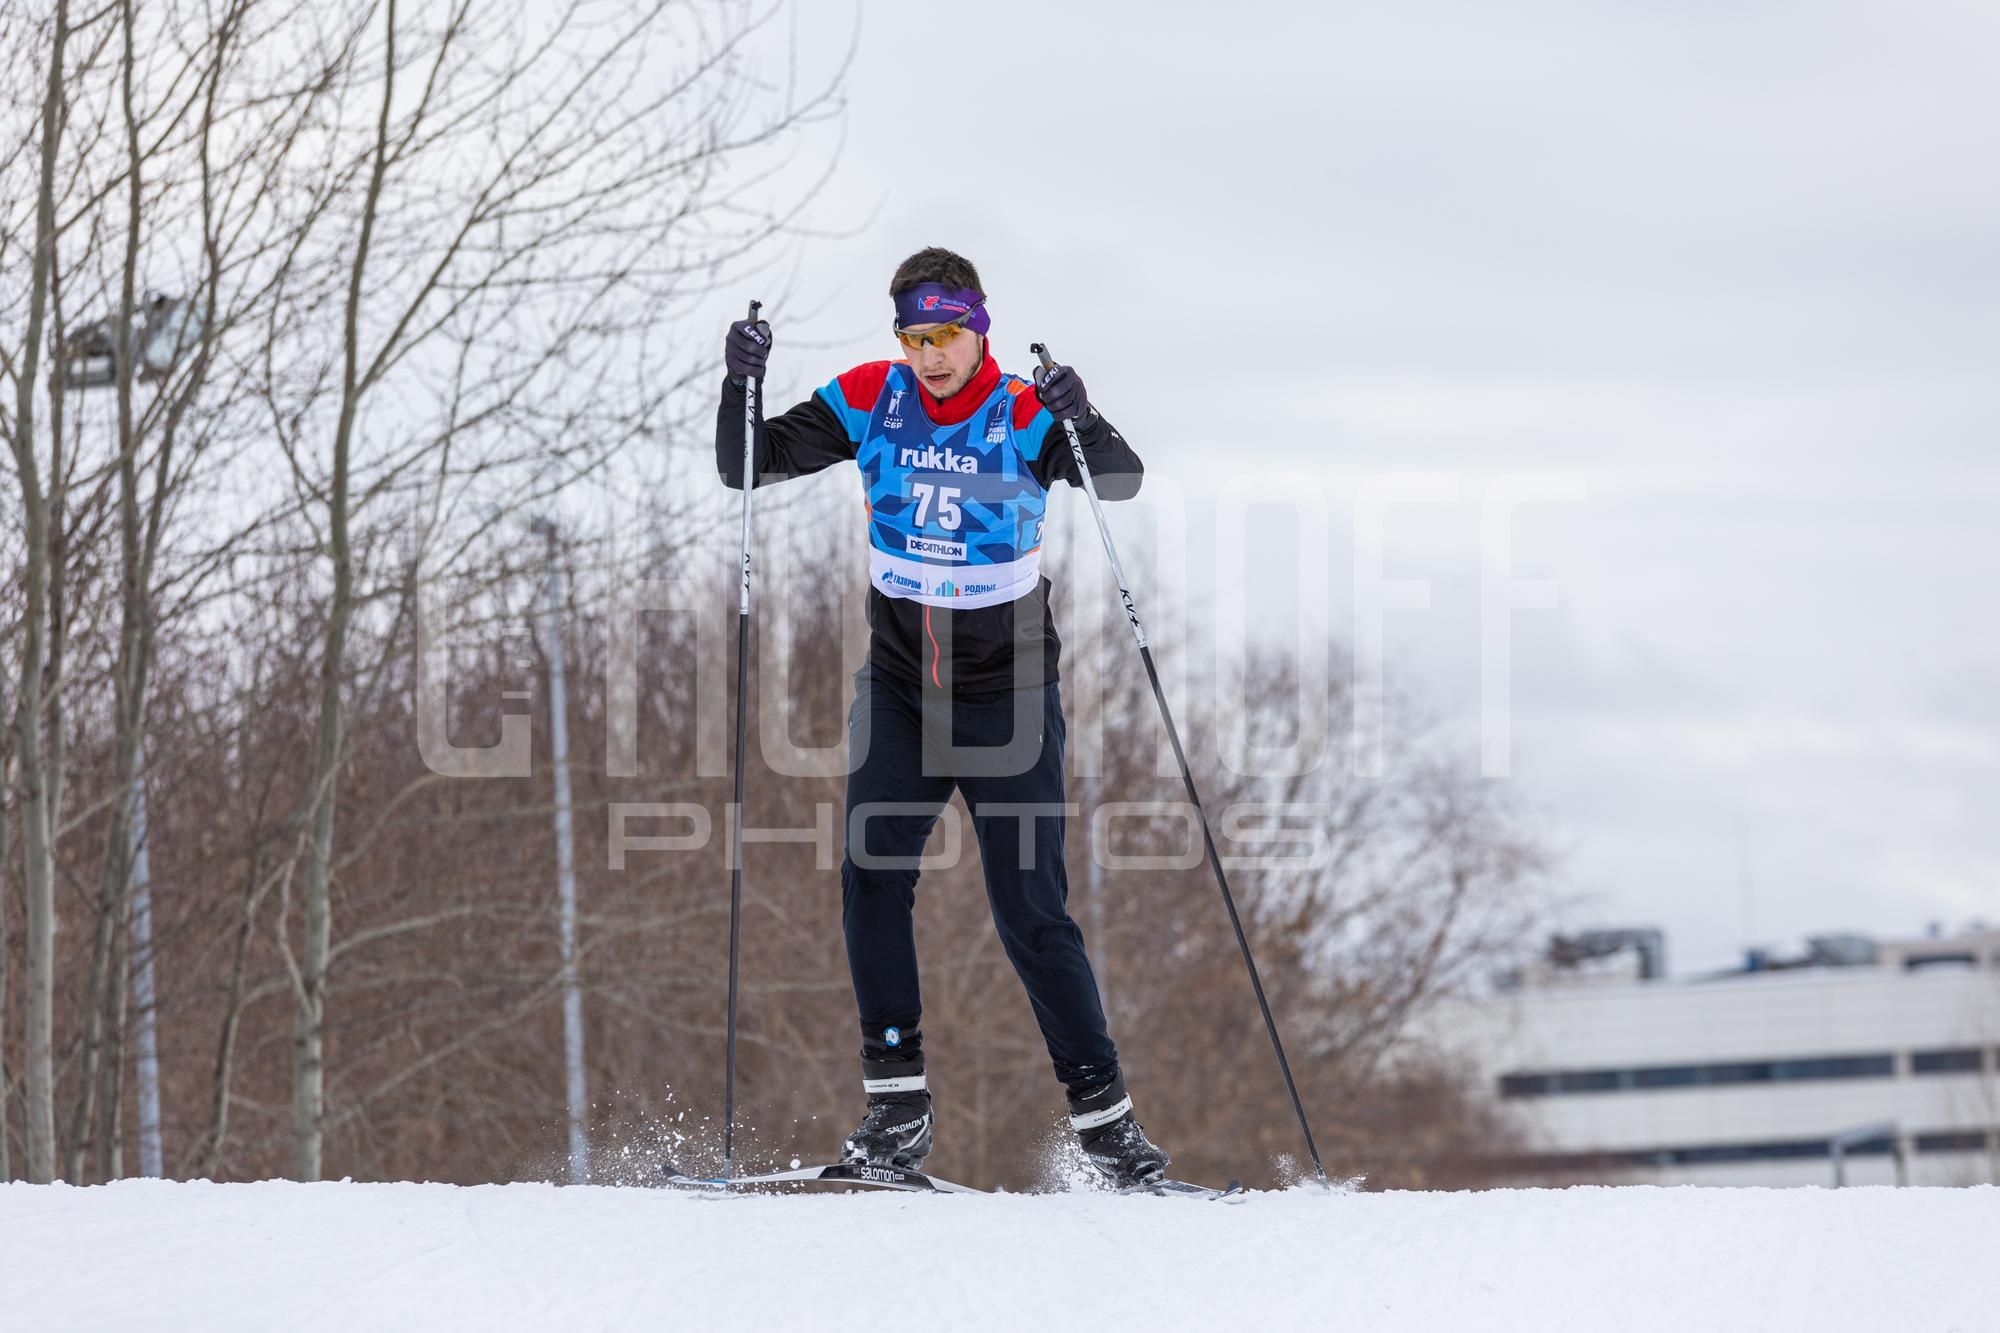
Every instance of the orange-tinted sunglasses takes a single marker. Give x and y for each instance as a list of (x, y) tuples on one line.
[(936, 337)]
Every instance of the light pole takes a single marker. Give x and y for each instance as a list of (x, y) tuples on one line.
[(579, 1141), (147, 1016), (89, 361)]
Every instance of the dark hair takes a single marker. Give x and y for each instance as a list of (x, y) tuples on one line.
[(934, 264)]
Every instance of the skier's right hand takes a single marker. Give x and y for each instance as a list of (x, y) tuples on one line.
[(748, 348)]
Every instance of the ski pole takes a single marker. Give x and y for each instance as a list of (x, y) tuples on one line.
[(742, 714), (1187, 776)]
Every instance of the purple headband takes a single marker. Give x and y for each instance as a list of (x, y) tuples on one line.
[(935, 303)]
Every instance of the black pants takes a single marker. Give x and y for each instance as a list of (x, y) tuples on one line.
[(898, 781)]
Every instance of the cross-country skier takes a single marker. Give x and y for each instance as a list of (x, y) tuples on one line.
[(959, 689)]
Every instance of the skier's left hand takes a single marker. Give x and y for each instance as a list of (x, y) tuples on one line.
[(1061, 391)]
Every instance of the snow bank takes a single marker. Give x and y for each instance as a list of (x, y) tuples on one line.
[(409, 1256)]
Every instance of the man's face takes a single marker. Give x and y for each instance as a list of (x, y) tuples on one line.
[(944, 370)]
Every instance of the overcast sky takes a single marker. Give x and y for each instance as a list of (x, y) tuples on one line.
[(1733, 265)]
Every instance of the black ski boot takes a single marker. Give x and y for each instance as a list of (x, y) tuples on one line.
[(1111, 1137), (895, 1132), (897, 1129), (1120, 1150)]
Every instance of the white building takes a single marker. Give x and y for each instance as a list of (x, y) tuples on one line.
[(1747, 1078)]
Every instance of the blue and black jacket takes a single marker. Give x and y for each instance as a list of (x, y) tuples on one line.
[(956, 492)]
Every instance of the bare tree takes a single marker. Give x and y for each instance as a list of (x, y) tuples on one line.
[(178, 159), (34, 796), (193, 80), (523, 209), (59, 563)]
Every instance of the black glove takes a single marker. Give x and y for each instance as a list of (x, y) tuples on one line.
[(1061, 391), (748, 348)]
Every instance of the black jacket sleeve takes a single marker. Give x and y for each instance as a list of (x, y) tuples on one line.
[(805, 438), (1114, 469)]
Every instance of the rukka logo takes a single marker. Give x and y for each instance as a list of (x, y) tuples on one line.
[(930, 458)]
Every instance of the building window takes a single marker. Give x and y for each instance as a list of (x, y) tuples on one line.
[(1960, 1060), (1712, 1154), (1668, 1076), (1840, 1066), (1916, 961), (1755, 1071), (1589, 1080), (1722, 1074)]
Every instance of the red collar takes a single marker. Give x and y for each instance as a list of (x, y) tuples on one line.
[(961, 405)]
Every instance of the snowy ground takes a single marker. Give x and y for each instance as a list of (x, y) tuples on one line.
[(344, 1256)]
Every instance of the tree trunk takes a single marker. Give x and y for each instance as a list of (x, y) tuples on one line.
[(206, 1158), (309, 1055), (103, 1045), (37, 863), (309, 1052), (37, 860), (110, 1099)]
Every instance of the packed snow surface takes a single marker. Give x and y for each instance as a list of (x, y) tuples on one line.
[(409, 1256)]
